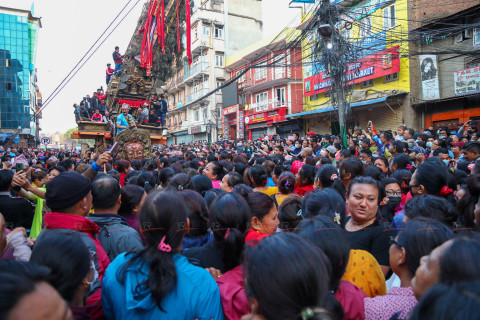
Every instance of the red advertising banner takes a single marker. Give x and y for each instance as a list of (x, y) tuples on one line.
[(370, 67)]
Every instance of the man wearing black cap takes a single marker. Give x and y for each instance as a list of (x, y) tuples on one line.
[(115, 235), (117, 58), (109, 72), (69, 197)]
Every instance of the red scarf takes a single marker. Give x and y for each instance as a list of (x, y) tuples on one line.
[(302, 190), (254, 236)]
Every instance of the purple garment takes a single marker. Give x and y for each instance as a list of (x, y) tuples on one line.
[(134, 223), (80, 313), (384, 307)]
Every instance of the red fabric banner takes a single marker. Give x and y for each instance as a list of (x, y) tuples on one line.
[(146, 33), (133, 103), (178, 30), (161, 26), (188, 31)]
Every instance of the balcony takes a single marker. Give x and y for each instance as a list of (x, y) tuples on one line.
[(194, 96), (175, 84), (195, 71), (206, 15), (200, 45)]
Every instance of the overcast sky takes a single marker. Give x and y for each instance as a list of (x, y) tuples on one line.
[(70, 27)]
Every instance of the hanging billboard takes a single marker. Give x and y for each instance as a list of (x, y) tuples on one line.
[(372, 66), (429, 77)]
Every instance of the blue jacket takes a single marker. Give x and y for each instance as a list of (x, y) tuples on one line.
[(196, 295)]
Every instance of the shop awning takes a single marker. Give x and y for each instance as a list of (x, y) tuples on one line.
[(352, 105)]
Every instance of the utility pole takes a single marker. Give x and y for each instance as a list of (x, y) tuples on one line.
[(334, 53)]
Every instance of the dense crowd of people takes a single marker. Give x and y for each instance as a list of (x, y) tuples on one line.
[(297, 228)]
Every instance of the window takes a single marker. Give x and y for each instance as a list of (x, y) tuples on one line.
[(180, 97), (219, 60), (389, 18), (8, 62), (218, 31), (366, 27), (472, 62), (196, 115), (206, 30), (391, 77), (219, 84), (261, 70), (262, 101), (314, 97), (180, 118), (175, 120), (368, 83), (8, 86), (169, 122), (280, 96), (242, 77), (242, 99)]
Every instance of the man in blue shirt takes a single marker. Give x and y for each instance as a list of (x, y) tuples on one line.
[(125, 120)]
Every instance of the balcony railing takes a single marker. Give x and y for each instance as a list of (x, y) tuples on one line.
[(195, 95), (195, 69)]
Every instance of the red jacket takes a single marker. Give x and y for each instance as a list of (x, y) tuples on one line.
[(234, 299), (55, 220), (110, 72), (97, 117)]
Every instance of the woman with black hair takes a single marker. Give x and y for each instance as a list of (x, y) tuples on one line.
[(230, 180), (259, 180), (198, 236), (349, 169), (304, 180), (418, 239), (290, 212), (146, 180), (400, 162), (454, 261), (327, 177), (300, 285), (215, 172), (382, 163), (264, 216), (286, 185), (180, 182), (72, 271), (123, 167), (458, 301), (211, 195), (229, 216), (391, 195), (327, 235), (201, 184), (132, 197), (158, 282), (164, 177), (365, 228), (325, 202)]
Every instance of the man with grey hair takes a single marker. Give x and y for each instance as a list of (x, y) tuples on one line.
[(125, 120)]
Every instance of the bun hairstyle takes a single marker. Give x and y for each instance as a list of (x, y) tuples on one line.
[(329, 178), (259, 175), (180, 182), (229, 220), (290, 212), (163, 219), (286, 182)]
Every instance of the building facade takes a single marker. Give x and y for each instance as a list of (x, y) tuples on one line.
[(269, 88), (378, 75), (219, 28), (18, 79), (445, 85)]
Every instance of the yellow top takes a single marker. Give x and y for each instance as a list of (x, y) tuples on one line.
[(270, 191)]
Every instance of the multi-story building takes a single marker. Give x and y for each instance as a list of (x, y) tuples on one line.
[(378, 75), (445, 74), (266, 95), (219, 28), (18, 88)]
